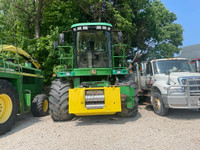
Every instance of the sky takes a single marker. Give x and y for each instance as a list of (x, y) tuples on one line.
[(188, 15)]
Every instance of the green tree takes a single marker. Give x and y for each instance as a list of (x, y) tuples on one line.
[(158, 36), (147, 25)]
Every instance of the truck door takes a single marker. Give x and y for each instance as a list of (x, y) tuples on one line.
[(149, 76)]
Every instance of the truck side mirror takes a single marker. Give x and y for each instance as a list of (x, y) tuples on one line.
[(61, 38), (167, 72), (55, 45), (197, 65)]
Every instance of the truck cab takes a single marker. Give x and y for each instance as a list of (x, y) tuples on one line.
[(170, 83)]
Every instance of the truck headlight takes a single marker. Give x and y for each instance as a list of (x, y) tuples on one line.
[(184, 81), (176, 91)]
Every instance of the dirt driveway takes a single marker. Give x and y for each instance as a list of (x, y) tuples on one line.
[(179, 130)]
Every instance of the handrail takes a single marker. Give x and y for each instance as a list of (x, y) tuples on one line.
[(120, 56), (69, 56)]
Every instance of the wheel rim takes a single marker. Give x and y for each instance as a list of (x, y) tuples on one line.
[(45, 105), (157, 103), (6, 107)]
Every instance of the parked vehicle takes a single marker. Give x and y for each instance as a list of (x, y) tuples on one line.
[(170, 83), (92, 78), (20, 88)]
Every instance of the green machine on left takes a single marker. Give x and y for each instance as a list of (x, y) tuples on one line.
[(20, 87)]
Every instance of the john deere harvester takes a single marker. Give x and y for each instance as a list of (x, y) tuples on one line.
[(92, 78), (20, 87)]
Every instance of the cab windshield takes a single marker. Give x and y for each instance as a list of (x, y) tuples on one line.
[(93, 49), (172, 66)]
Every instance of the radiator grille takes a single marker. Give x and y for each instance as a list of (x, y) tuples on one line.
[(194, 87), (94, 99)]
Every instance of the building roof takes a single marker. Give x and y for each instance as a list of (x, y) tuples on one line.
[(190, 52)]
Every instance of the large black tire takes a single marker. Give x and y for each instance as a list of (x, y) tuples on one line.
[(130, 81), (158, 105), (131, 112), (9, 106), (40, 105), (59, 100)]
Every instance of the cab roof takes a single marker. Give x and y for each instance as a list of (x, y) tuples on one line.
[(91, 24), (169, 59)]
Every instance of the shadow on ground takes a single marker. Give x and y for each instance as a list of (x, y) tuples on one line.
[(104, 120), (184, 114), (22, 122)]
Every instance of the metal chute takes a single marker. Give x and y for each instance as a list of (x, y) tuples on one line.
[(17, 50)]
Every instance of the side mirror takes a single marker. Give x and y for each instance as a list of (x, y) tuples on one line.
[(167, 72), (197, 65), (61, 38), (55, 45), (120, 37), (72, 39)]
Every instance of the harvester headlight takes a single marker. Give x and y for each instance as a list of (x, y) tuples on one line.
[(104, 27), (74, 29), (79, 28), (98, 28), (85, 27), (67, 74), (109, 28)]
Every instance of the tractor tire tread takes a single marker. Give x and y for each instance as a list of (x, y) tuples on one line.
[(37, 105), (59, 96), (7, 88), (132, 112)]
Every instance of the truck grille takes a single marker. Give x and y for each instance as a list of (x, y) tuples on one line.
[(94, 99), (194, 87)]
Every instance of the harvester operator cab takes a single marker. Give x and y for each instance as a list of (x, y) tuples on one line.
[(92, 46)]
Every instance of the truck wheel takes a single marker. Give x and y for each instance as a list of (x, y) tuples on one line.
[(40, 105), (9, 105), (158, 105), (59, 100), (128, 112)]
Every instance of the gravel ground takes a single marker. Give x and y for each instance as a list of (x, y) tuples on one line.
[(179, 130)]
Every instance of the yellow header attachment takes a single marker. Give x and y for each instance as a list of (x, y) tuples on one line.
[(94, 101), (17, 50)]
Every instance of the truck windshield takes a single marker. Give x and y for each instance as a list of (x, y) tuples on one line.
[(93, 49), (165, 66)]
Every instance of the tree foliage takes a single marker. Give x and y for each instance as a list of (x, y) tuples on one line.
[(147, 25)]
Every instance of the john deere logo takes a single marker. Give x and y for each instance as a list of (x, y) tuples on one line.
[(93, 71)]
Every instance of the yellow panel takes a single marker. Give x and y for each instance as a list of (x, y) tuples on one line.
[(77, 101)]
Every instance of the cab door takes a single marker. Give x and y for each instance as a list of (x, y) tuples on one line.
[(149, 76)]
